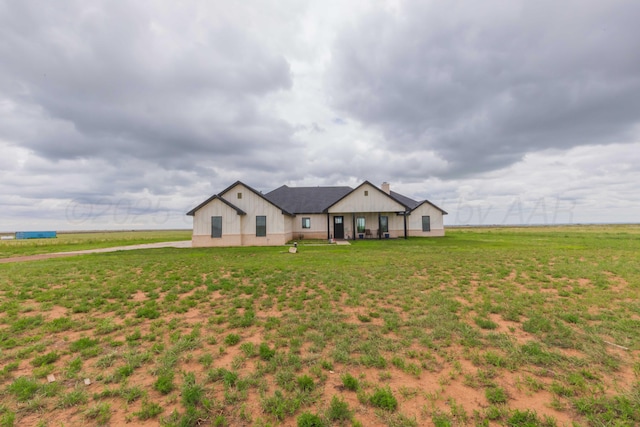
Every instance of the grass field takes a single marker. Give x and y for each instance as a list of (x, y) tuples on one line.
[(66, 242), (508, 326)]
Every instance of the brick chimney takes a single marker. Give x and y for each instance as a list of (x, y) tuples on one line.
[(386, 188)]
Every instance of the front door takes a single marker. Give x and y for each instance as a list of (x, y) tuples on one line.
[(338, 227)]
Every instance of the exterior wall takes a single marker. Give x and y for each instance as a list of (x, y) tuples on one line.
[(420, 233), (414, 221), (231, 223), (271, 239), (375, 201), (207, 241), (318, 228), (240, 230)]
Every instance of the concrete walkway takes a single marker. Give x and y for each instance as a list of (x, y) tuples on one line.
[(179, 244)]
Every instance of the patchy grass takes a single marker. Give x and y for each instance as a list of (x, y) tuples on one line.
[(459, 330)]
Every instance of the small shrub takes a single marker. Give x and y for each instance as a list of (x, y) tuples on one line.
[(148, 410), (485, 323), (7, 417), (338, 410), (350, 382), (306, 383), (441, 420), (82, 344), (164, 383), (73, 398), (130, 394), (265, 352), (493, 413), (537, 324), (248, 348), (219, 421), (100, 413), (45, 359), (192, 392), (494, 359), (383, 398), (60, 324), (232, 339), (25, 323), (229, 378), (398, 362), (326, 364), (279, 406), (23, 388), (124, 371), (148, 311), (496, 395), (206, 360), (74, 366), (525, 418), (310, 420)]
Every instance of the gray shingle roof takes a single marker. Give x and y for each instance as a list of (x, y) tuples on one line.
[(412, 204), (307, 200), (299, 200)]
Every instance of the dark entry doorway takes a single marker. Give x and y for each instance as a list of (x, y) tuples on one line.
[(338, 227)]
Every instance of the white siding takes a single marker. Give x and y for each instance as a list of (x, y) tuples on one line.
[(414, 221), (278, 231), (318, 228), (375, 201), (202, 218), (231, 223)]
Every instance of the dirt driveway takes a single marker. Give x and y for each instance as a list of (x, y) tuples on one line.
[(179, 244)]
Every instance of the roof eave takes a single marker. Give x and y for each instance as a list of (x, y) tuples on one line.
[(192, 212)]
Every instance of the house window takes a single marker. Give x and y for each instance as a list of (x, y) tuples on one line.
[(360, 224), (261, 226), (366, 192), (426, 223), (306, 222), (216, 226), (239, 195), (384, 224)]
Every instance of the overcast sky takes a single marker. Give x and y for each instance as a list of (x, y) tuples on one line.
[(127, 114)]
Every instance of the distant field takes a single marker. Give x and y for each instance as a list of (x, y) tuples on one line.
[(66, 242), (504, 326)]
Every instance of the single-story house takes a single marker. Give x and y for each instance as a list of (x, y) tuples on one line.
[(242, 216)]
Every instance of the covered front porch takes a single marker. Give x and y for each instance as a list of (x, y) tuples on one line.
[(366, 225)]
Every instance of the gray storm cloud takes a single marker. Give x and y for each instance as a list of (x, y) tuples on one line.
[(483, 83)]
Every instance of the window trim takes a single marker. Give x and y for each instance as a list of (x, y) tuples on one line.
[(213, 228), (306, 222), (261, 230)]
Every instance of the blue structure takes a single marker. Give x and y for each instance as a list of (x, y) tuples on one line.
[(36, 235)]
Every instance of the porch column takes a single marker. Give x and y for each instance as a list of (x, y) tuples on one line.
[(353, 219), (328, 227), (405, 224), (379, 226)]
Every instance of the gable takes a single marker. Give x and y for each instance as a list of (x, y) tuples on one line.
[(250, 201), (367, 198), (209, 201), (425, 204)]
